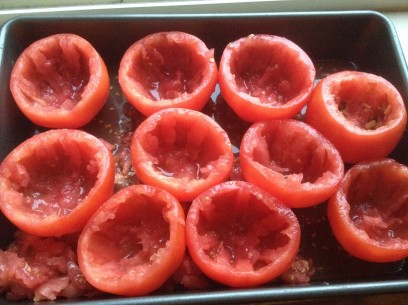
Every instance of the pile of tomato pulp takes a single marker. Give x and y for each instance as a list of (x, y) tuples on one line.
[(184, 156)]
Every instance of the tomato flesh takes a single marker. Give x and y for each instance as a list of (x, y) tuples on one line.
[(60, 81), (292, 161), (54, 181), (265, 76), (168, 69), (241, 236), (57, 184), (182, 151), (362, 114), (134, 242), (55, 77), (42, 268), (368, 214)]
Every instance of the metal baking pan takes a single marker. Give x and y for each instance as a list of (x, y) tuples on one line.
[(362, 40)]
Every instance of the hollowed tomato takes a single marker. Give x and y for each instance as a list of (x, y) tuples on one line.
[(292, 161), (168, 69), (368, 214), (134, 242), (60, 81), (362, 114), (265, 77), (53, 182), (182, 151), (241, 236)]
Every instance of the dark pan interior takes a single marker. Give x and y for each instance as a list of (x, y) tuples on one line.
[(362, 40)]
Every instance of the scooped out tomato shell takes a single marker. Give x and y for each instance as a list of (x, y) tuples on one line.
[(134, 242), (292, 161), (368, 213), (241, 236), (265, 77), (362, 114), (168, 69), (60, 81), (182, 151), (52, 183)]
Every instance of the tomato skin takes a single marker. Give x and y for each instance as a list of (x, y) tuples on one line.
[(241, 236), (265, 77), (53, 182), (134, 242), (292, 161), (182, 151), (168, 69), (60, 81), (368, 209), (367, 99)]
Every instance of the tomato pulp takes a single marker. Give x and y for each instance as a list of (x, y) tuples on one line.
[(368, 213), (168, 69), (134, 242), (292, 161), (265, 77), (362, 114), (42, 269), (182, 151), (240, 235), (53, 182), (60, 81)]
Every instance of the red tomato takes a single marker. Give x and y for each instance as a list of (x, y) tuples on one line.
[(53, 182), (265, 77), (368, 214), (134, 242), (292, 161), (182, 151), (60, 82), (168, 69), (362, 114), (241, 236)]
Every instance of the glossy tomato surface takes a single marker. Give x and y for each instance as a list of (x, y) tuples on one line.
[(182, 151), (292, 161), (265, 77), (134, 242), (60, 81), (53, 182), (368, 214), (362, 114), (241, 236), (168, 69)]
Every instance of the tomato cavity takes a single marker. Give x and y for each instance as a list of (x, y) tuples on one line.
[(268, 73), (381, 209), (243, 233), (166, 68), (131, 237), (56, 76), (183, 148), (307, 162), (54, 182), (362, 103)]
